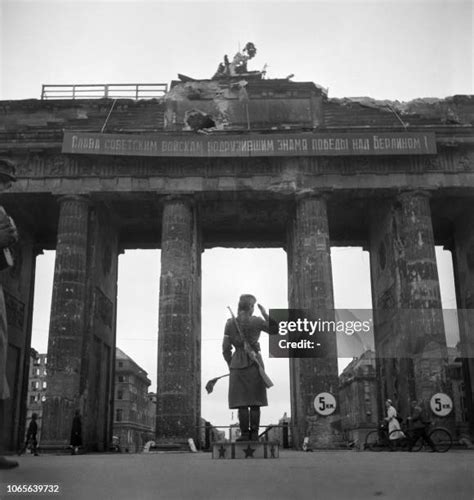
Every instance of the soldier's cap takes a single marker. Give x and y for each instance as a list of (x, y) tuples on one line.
[(7, 169)]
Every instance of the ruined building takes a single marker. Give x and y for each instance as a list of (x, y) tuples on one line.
[(235, 161), (37, 387), (134, 409)]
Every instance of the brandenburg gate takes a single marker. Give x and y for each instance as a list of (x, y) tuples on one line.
[(233, 162)]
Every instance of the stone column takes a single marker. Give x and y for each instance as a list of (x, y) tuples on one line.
[(179, 335), (409, 331), (310, 287), (66, 331), (464, 276), (18, 288), (99, 335)]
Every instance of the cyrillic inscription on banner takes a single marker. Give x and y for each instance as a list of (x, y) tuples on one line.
[(249, 145)]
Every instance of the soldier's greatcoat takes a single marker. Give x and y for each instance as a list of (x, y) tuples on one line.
[(246, 386)]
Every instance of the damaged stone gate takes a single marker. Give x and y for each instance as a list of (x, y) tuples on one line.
[(235, 161)]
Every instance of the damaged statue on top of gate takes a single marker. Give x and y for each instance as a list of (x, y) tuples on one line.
[(238, 66)]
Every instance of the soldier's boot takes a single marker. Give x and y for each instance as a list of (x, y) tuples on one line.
[(244, 424), (254, 422)]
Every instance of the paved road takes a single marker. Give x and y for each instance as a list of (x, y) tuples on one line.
[(295, 475)]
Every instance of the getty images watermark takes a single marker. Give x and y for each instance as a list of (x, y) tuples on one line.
[(347, 333), (310, 334)]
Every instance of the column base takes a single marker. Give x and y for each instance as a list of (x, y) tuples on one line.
[(55, 449), (170, 445), (323, 434)]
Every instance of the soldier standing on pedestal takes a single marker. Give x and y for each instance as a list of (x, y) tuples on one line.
[(247, 390)]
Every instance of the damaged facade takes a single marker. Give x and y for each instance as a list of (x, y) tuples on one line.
[(223, 180), (240, 104)]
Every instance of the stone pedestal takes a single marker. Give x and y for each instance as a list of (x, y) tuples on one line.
[(310, 287), (82, 326), (410, 341), (179, 335), (246, 450), (464, 276)]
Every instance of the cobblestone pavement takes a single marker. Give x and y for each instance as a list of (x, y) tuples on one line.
[(295, 475)]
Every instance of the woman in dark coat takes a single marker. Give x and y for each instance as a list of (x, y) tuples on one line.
[(76, 432), (31, 436), (247, 391)]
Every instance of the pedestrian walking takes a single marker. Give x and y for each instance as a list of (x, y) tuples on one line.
[(8, 236), (31, 441), (76, 433)]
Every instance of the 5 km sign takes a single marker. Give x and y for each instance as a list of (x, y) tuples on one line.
[(325, 403), (441, 404)]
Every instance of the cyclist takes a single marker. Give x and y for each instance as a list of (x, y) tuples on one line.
[(419, 423), (394, 431)]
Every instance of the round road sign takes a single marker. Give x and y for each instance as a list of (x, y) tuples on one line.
[(441, 404), (325, 403)]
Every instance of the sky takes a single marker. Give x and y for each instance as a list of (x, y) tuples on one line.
[(398, 50)]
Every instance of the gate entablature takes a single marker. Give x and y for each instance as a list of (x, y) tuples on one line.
[(233, 219)]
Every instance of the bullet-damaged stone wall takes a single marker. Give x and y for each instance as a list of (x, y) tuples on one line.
[(409, 328), (238, 104), (68, 321), (311, 288), (82, 327), (179, 335)]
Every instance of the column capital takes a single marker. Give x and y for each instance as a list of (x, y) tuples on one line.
[(410, 193), (188, 199), (310, 193), (82, 198)]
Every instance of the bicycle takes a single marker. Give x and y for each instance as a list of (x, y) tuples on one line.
[(440, 437), (378, 439)]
